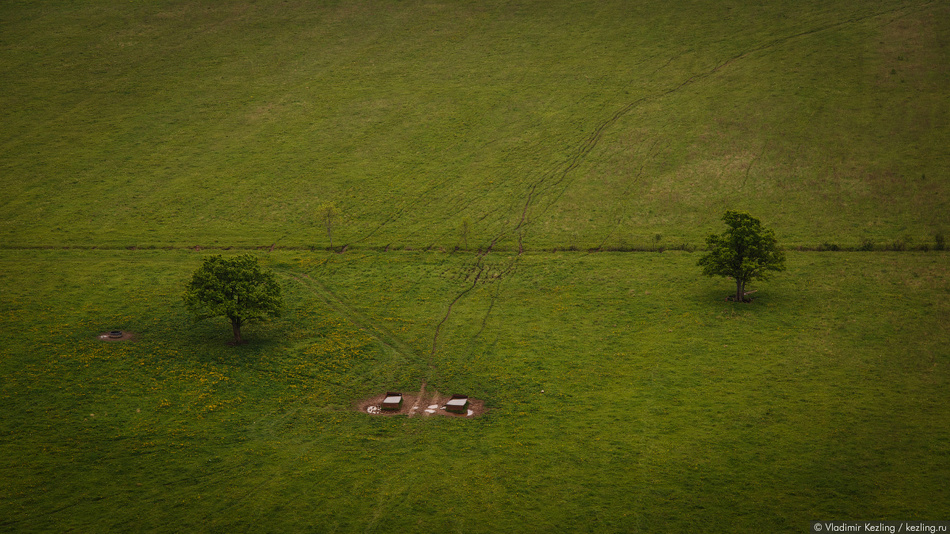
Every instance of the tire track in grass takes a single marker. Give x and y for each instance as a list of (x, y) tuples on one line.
[(620, 211), (560, 171), (491, 306), (478, 269), (558, 175), (361, 320), (556, 180), (427, 196), (519, 228), (379, 331), (478, 275), (399, 210), (904, 11)]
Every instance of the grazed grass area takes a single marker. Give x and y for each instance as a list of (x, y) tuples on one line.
[(604, 124), (663, 407), (624, 393)]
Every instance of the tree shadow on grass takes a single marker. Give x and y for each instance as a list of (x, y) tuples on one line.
[(719, 295), (211, 341)]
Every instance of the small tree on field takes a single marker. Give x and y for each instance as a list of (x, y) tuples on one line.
[(745, 251), (235, 288), (328, 213), (464, 228)]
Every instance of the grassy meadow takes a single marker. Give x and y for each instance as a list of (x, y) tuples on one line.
[(581, 124), (616, 402), (506, 175)]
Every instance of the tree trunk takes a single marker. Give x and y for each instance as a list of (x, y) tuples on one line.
[(740, 290), (236, 326)]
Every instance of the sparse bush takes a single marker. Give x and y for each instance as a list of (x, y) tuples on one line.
[(866, 245), (829, 246), (327, 213), (939, 241)]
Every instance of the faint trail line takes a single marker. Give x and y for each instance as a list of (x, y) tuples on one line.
[(564, 168), (379, 331), (752, 161), (415, 405), (401, 209), (571, 163), (491, 306), (478, 269), (780, 40), (420, 200), (438, 327), (619, 218), (548, 180)]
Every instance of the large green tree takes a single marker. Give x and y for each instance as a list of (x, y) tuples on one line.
[(236, 288), (745, 251)]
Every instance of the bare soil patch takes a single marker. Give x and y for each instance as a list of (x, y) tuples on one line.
[(374, 405), (429, 403), (110, 336)]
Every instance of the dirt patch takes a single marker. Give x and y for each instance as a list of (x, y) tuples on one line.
[(374, 405), (429, 403), (112, 336), (435, 405)]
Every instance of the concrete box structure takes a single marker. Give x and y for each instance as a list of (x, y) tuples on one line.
[(457, 404), (393, 401)]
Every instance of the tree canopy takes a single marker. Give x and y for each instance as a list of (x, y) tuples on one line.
[(236, 288), (745, 251)]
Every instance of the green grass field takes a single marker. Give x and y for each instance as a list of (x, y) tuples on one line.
[(624, 394), (663, 407), (228, 124)]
